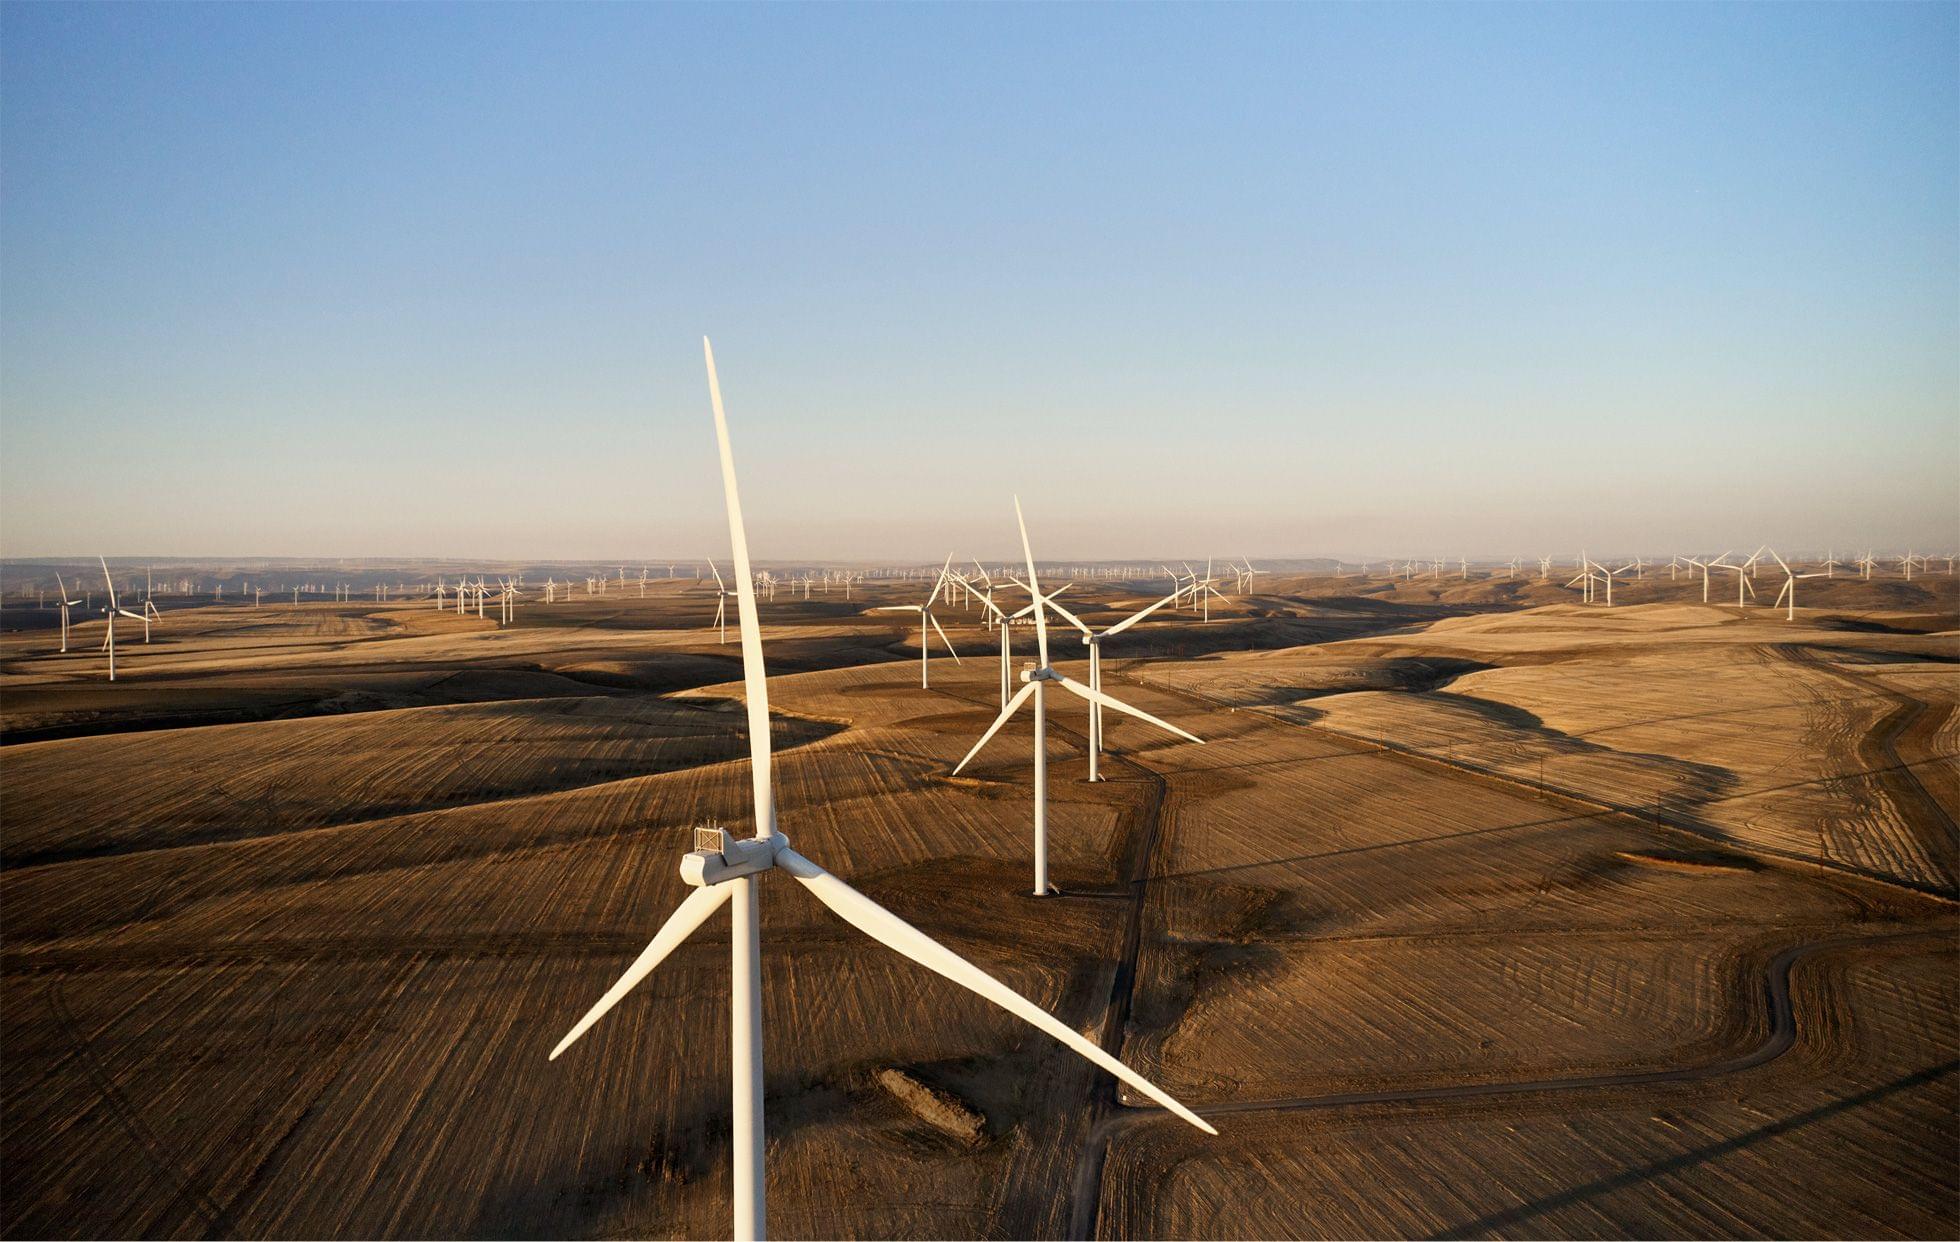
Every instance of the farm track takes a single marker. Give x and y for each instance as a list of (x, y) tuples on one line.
[(1086, 1191), (1910, 718), (1141, 826), (128, 1118)]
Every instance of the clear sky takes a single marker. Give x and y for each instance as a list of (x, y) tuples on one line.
[(1263, 280)]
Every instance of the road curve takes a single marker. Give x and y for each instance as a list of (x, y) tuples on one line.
[(1086, 1191)]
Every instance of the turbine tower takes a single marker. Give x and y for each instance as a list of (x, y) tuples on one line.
[(724, 869)]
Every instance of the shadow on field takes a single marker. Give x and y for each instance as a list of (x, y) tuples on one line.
[(1510, 1218)]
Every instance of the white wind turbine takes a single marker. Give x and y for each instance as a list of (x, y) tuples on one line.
[(724, 869), (1584, 578), (1787, 597), (1205, 591), (721, 601), (926, 619), (113, 611), (1179, 585), (1743, 587), (1609, 575), (1094, 642), (1036, 681), (66, 604), (1704, 566)]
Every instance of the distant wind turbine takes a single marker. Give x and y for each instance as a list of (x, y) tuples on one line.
[(66, 604), (1094, 642), (928, 625), (113, 611), (721, 601), (1036, 682)]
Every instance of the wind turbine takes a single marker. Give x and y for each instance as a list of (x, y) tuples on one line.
[(927, 619), (66, 604), (1036, 681), (1584, 578), (721, 600), (1787, 597), (725, 870), (1179, 585), (112, 612), (1204, 591), (1743, 587), (1094, 642)]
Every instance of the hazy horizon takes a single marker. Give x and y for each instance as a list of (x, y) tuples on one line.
[(1275, 281)]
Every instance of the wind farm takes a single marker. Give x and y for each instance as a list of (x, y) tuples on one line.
[(1080, 622), (1665, 859)]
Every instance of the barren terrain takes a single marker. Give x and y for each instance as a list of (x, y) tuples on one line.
[(1480, 913)]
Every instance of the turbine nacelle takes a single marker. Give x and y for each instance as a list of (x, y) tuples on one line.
[(709, 864)]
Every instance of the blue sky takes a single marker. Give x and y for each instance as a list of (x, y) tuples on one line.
[(405, 280)]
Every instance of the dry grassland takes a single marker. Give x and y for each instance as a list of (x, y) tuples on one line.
[(294, 911)]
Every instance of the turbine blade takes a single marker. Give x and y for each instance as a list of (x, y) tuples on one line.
[(1013, 705), (1068, 616), (687, 916), (1135, 617), (939, 582), (719, 584), (110, 581), (908, 941), (942, 635), (1034, 585), (754, 677), (1096, 696)]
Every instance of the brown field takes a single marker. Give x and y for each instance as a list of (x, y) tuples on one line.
[(1480, 913)]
